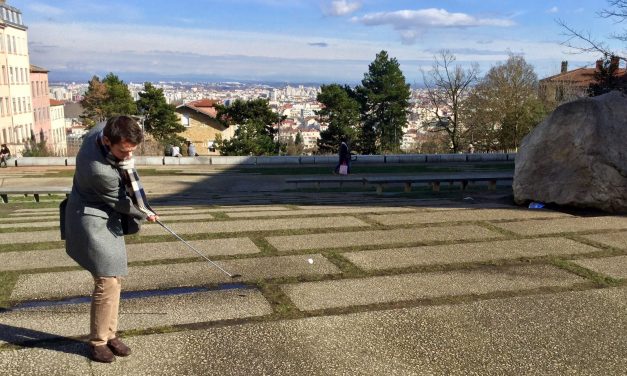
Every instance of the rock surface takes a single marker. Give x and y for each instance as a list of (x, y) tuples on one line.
[(577, 156)]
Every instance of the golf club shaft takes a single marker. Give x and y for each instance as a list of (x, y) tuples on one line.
[(194, 249)]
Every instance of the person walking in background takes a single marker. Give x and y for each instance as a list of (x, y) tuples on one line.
[(344, 158), (191, 150), (176, 151), (5, 154), (107, 201)]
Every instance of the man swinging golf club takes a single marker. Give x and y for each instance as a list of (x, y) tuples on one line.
[(107, 202)]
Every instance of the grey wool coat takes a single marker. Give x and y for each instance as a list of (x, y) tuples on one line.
[(93, 215)]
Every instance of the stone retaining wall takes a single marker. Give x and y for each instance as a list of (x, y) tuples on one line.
[(281, 160)]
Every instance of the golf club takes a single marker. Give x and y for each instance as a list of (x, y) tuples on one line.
[(195, 250)]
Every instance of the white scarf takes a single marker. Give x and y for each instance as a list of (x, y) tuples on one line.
[(126, 169)]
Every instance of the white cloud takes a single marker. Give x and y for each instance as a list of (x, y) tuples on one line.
[(410, 23), (89, 48), (553, 10), (432, 17), (341, 7)]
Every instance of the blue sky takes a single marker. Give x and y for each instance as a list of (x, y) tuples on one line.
[(298, 40)]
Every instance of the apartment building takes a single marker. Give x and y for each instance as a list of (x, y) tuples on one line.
[(16, 111), (58, 140), (41, 104)]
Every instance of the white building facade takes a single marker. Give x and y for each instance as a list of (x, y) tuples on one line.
[(58, 139), (16, 113)]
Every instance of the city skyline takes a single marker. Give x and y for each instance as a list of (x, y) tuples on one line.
[(287, 41)]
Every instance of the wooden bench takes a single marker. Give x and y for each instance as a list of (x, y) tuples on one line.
[(380, 182), (36, 192), (317, 181)]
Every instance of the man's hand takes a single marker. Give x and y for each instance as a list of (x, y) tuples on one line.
[(153, 218)]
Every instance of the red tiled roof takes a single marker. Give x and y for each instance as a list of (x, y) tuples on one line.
[(581, 76), (54, 102), (36, 69), (204, 103), (205, 106)]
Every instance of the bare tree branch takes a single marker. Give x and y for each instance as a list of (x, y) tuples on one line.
[(584, 42), (589, 44), (617, 9)]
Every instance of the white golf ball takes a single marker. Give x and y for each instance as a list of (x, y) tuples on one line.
[(310, 261)]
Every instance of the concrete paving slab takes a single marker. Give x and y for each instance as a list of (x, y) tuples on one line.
[(77, 283), (160, 208), (467, 252), (570, 333), (138, 313), (615, 267), (305, 212), (192, 216), (565, 225), (30, 237), (233, 208), (201, 209), (50, 360), (336, 207), (463, 215), (380, 237), (311, 296), (417, 206), (616, 239), (29, 218), (23, 260), (21, 212), (254, 225), (26, 226)]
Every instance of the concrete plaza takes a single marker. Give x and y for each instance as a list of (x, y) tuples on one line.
[(333, 283)]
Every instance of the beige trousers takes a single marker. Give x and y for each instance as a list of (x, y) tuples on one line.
[(105, 303)]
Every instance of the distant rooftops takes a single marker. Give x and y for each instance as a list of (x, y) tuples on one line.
[(204, 106), (36, 69), (583, 76), (10, 14)]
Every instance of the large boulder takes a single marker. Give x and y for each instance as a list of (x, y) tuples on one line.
[(577, 156)]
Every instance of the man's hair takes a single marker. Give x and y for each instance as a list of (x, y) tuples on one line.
[(123, 128)]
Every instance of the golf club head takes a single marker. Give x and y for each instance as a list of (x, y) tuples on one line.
[(236, 275)]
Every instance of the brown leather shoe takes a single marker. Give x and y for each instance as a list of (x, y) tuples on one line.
[(102, 354), (118, 347)]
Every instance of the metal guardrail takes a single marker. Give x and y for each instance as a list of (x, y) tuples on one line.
[(282, 160), (35, 192)]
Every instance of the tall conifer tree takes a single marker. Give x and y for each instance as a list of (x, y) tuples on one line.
[(340, 112), (160, 119), (385, 101)]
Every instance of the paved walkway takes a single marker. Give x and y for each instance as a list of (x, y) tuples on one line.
[(336, 283)]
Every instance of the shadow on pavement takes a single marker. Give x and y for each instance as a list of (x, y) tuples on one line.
[(41, 340), (243, 184)]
